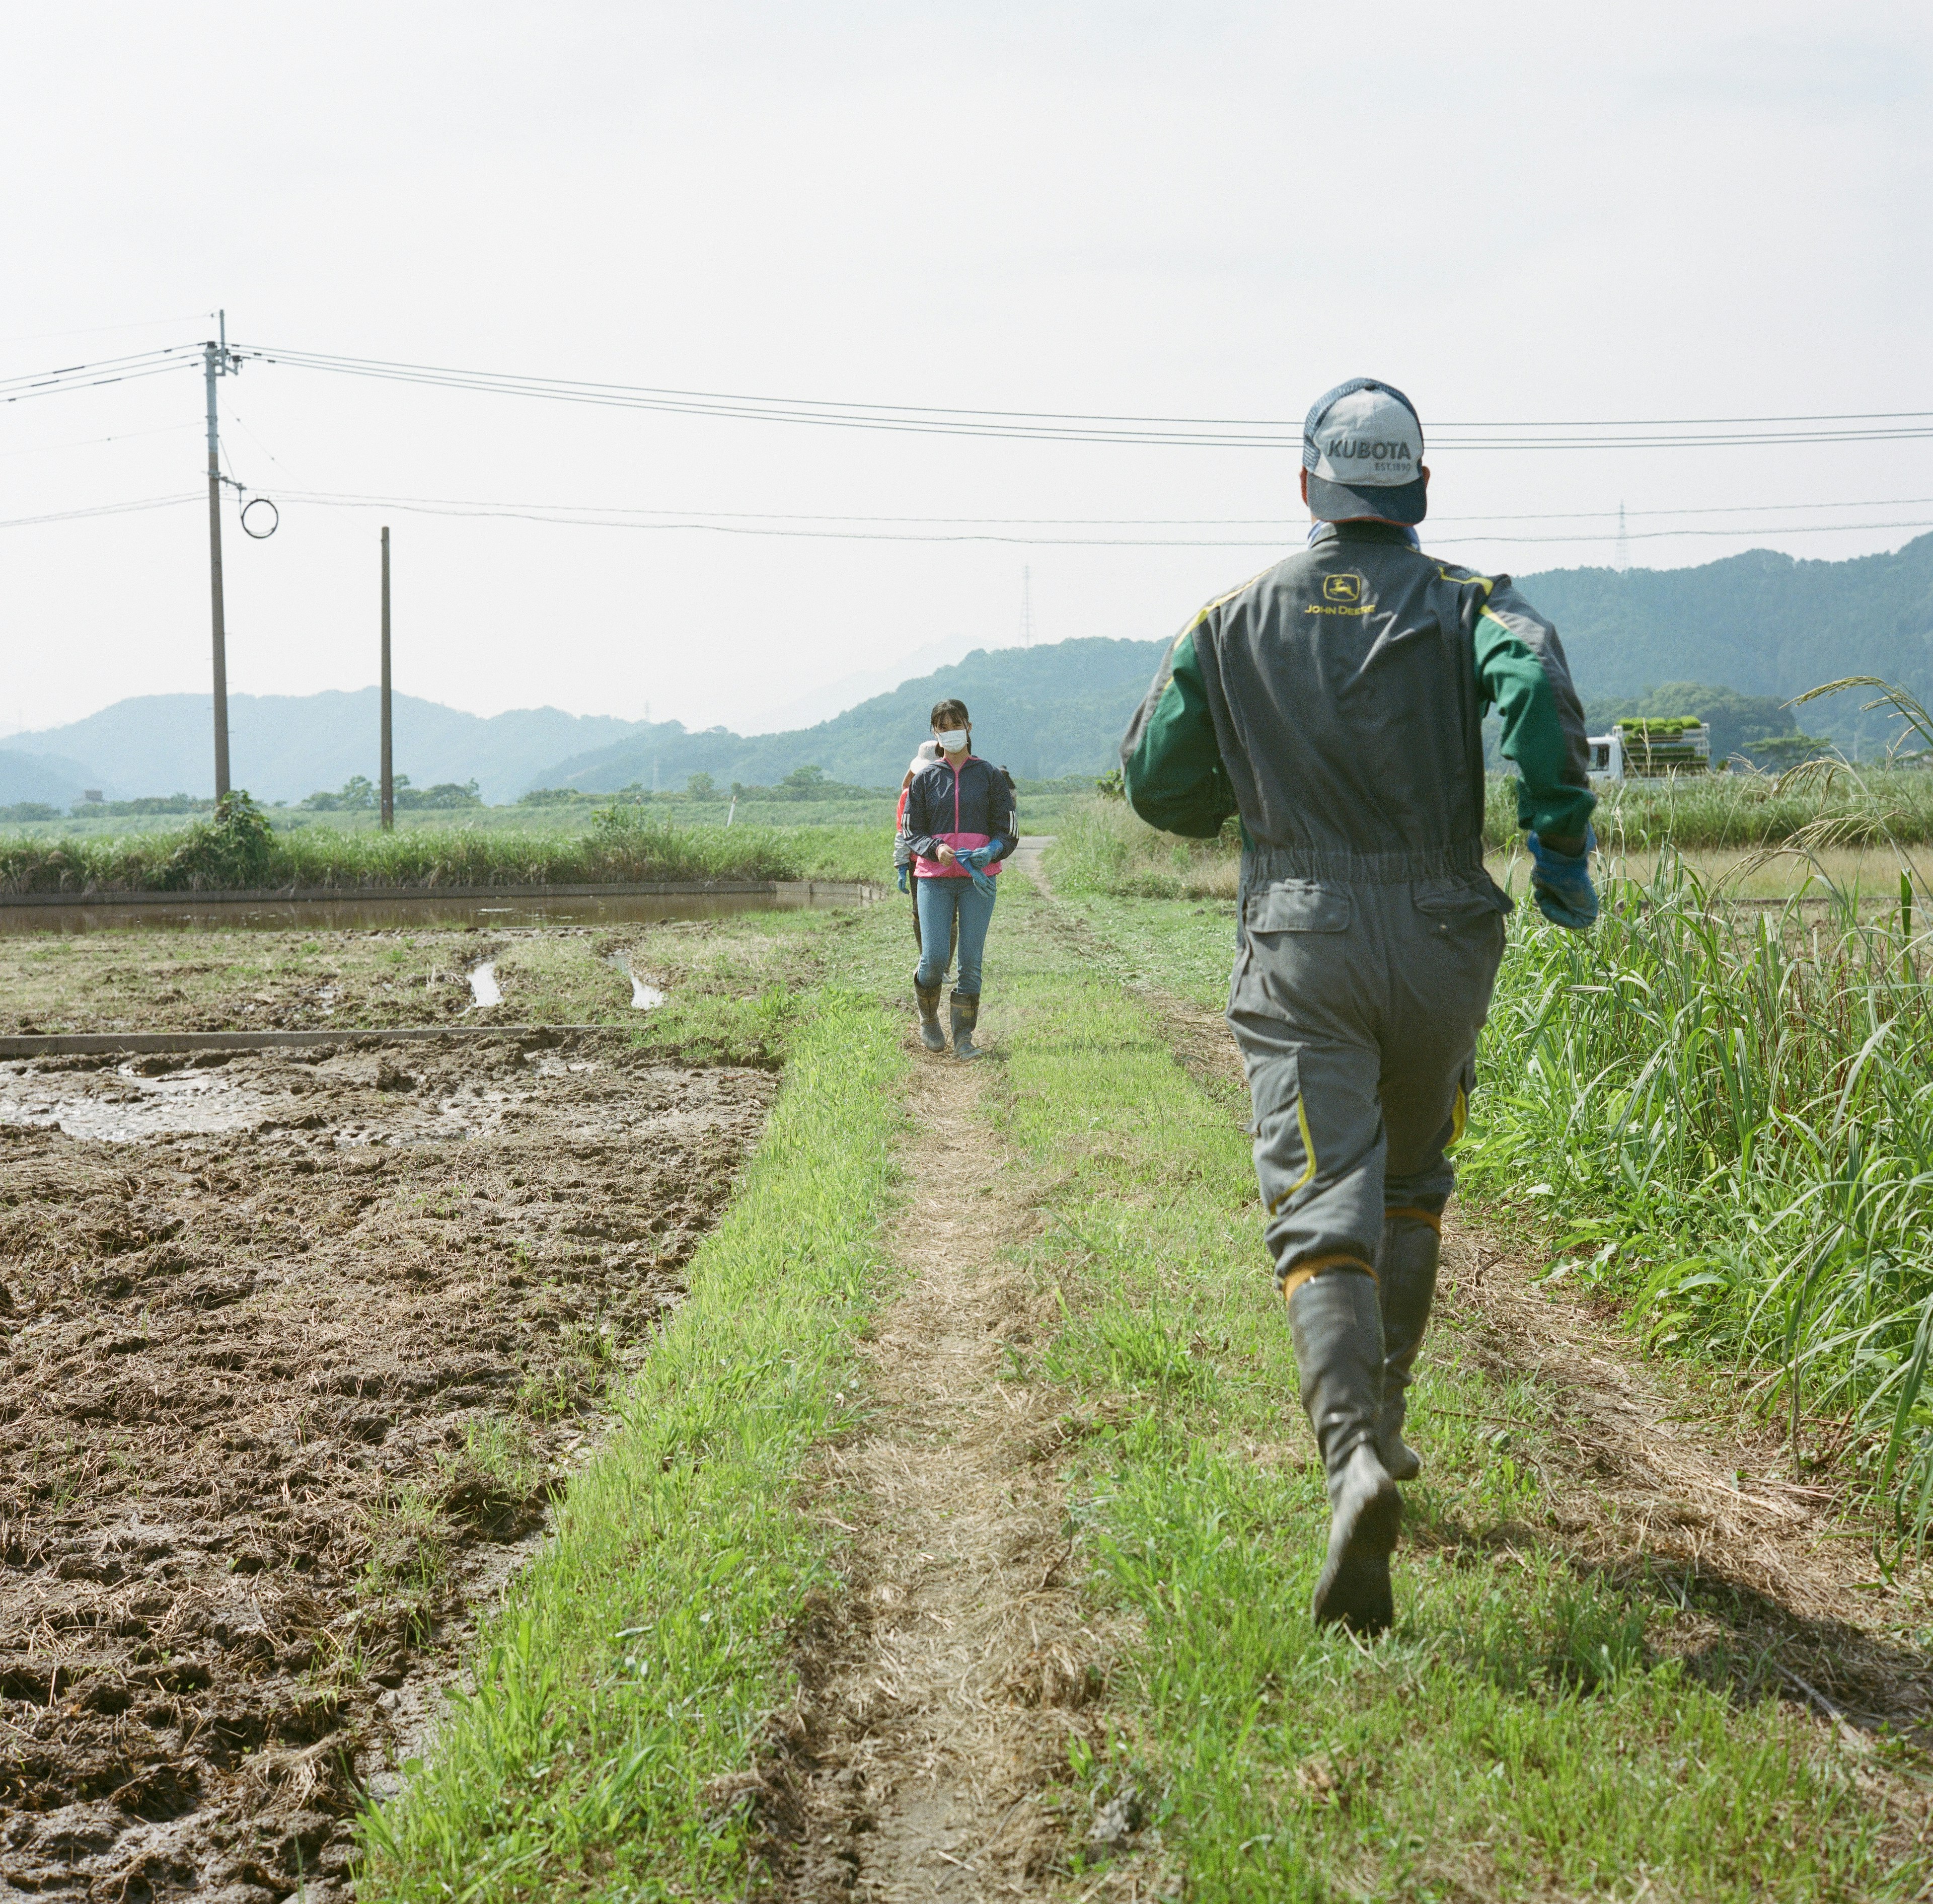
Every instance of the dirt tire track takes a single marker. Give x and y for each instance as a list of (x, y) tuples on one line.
[(1655, 1485), (940, 1693)]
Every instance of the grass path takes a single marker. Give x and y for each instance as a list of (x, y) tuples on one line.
[(941, 1688), (622, 1695), (959, 1538)]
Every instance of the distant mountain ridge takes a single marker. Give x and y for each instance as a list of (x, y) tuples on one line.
[(284, 746), (1043, 712), (1761, 624)]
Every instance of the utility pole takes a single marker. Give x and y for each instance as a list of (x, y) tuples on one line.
[(216, 362), (389, 757)]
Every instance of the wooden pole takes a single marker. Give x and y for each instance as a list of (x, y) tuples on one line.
[(211, 357), (389, 757)]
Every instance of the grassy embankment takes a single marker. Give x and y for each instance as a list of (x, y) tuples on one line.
[(640, 1653), (1040, 811), (1726, 1121), (240, 849), (1533, 1727)]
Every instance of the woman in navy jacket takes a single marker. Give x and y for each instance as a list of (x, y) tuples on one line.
[(961, 822)]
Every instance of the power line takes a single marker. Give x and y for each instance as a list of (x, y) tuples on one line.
[(918, 529), (1283, 525), (1646, 433), (111, 370), (592, 516), (89, 442), (101, 330), (1069, 426), (102, 508)]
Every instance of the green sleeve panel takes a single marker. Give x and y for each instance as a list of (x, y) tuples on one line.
[(1522, 671), (1171, 766)]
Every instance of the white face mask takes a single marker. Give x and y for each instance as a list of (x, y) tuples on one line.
[(954, 739)]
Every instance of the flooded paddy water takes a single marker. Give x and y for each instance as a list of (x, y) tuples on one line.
[(300, 1343)]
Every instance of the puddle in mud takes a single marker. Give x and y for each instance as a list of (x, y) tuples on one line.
[(428, 909), (122, 1107), (484, 989), (644, 998), (418, 1098)]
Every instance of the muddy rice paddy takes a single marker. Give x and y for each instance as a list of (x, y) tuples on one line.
[(299, 1345)]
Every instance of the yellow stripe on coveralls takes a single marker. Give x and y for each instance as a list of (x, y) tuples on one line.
[(1308, 1150)]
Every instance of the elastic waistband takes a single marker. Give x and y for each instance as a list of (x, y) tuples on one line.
[(1263, 863)]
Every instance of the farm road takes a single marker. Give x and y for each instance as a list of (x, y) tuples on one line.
[(939, 1696), (927, 1756)]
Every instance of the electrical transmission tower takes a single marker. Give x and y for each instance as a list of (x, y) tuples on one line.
[(217, 360), (1622, 558)]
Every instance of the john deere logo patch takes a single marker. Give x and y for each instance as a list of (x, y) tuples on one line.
[(1341, 588)]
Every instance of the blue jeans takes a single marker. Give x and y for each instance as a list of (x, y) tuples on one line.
[(941, 901)]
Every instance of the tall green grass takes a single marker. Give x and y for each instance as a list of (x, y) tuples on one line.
[(1105, 848), (1728, 1119), (238, 849), (1746, 809)]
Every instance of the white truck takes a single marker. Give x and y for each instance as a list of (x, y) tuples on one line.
[(1649, 749)]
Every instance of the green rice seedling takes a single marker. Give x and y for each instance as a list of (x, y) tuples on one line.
[(408, 1570)]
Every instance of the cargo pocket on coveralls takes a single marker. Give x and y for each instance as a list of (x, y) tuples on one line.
[(1299, 906), (1267, 969), (1285, 1151), (1469, 911), (1471, 899)]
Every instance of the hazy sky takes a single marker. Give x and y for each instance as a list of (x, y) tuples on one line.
[(1514, 212)]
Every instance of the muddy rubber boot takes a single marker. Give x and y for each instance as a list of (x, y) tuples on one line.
[(930, 1035), (1339, 1354), (1406, 1261), (966, 1016)]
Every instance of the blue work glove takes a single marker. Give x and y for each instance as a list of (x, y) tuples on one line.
[(904, 870), (1560, 884), (974, 860)]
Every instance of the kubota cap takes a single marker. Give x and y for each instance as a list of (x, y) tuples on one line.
[(1362, 447)]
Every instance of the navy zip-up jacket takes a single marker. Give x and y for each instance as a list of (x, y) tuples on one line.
[(985, 806)]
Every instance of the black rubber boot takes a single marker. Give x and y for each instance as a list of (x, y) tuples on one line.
[(1406, 1261), (930, 1035), (966, 1016), (1339, 1354)]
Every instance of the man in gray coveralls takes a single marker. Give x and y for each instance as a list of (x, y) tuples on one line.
[(1335, 702)]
